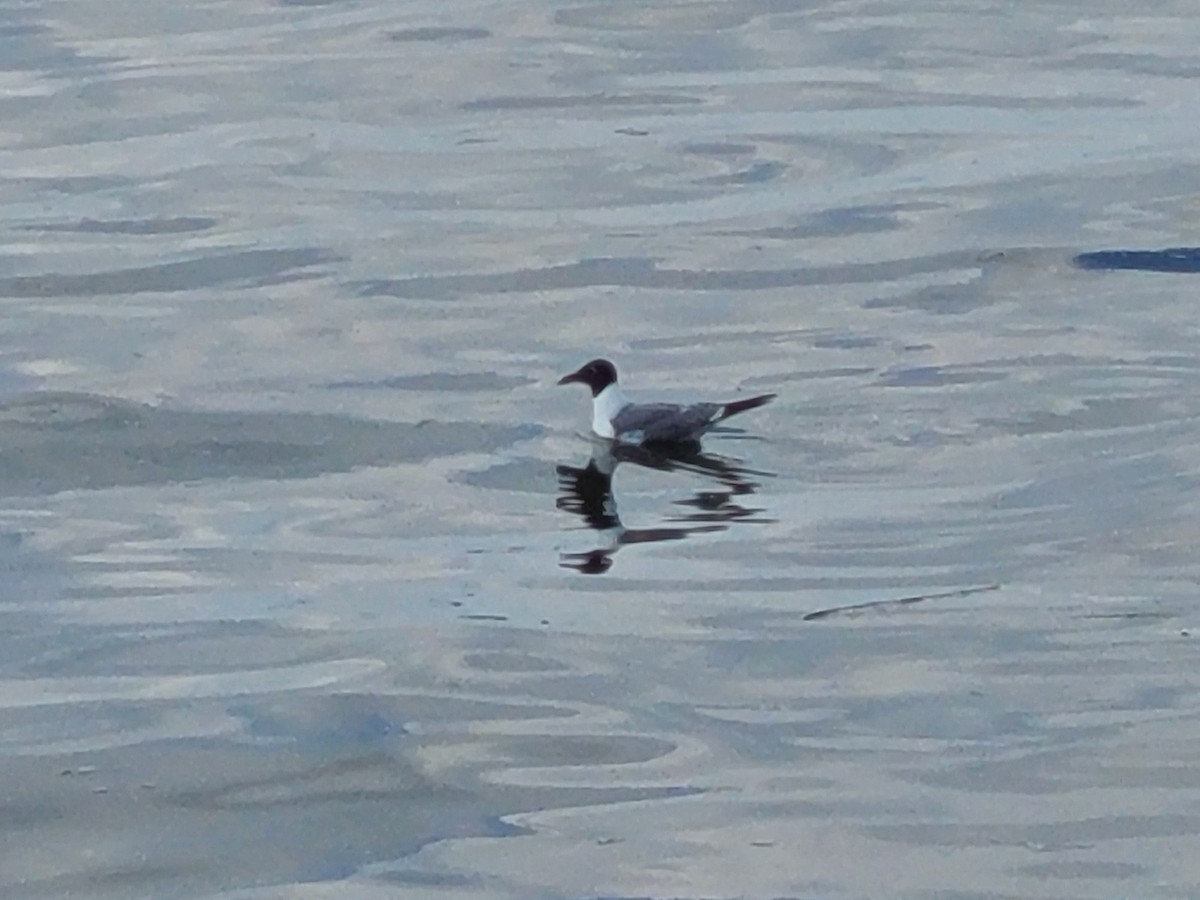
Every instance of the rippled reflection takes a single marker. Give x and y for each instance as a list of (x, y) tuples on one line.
[(588, 493)]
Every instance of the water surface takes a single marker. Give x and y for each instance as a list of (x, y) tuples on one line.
[(302, 595)]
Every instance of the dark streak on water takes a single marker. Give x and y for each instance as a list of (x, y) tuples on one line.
[(173, 225), (1175, 259), (256, 267)]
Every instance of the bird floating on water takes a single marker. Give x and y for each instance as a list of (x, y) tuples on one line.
[(616, 418)]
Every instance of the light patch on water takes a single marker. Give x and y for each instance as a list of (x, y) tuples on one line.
[(47, 368), (16, 694)]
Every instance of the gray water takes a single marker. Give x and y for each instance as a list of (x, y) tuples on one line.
[(291, 602)]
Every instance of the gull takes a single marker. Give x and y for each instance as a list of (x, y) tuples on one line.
[(614, 417)]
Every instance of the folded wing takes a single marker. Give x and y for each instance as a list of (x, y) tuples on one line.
[(666, 423)]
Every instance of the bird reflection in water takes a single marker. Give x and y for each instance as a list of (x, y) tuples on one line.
[(587, 492)]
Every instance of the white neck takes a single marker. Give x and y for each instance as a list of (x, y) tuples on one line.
[(605, 405)]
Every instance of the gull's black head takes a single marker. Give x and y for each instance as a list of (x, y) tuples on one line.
[(597, 374)]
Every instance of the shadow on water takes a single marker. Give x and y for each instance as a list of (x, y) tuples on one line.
[(588, 493), (1173, 259)]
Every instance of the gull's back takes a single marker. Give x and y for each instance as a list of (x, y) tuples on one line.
[(664, 423)]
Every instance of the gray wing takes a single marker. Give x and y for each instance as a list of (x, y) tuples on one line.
[(666, 422)]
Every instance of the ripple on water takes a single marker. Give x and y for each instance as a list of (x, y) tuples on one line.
[(65, 441)]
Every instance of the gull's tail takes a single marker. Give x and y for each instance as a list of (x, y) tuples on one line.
[(738, 406)]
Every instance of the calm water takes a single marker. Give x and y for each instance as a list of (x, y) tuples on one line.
[(309, 590)]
